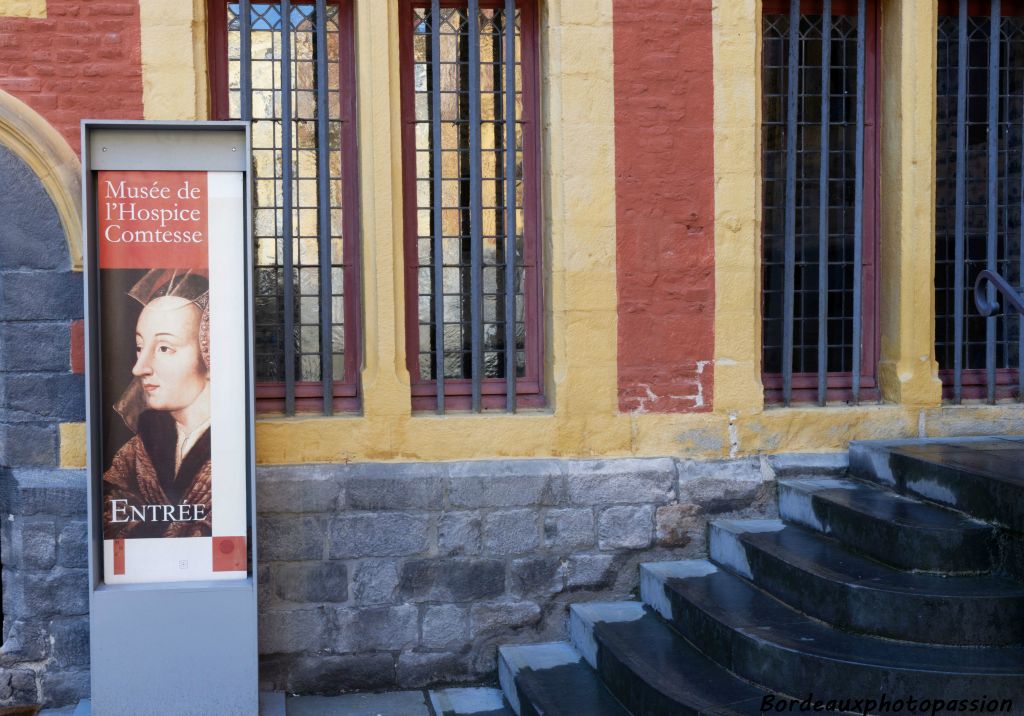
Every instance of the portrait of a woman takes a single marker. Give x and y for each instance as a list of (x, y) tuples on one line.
[(158, 484)]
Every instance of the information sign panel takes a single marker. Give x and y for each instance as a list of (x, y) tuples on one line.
[(168, 363), (173, 494)]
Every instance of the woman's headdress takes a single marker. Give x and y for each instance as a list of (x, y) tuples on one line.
[(192, 285)]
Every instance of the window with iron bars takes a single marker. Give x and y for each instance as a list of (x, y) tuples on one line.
[(471, 200), (979, 132), (289, 67), (820, 230)]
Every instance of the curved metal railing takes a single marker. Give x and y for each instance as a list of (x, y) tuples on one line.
[(987, 307)]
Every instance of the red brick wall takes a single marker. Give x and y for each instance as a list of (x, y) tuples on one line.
[(83, 61), (664, 204)]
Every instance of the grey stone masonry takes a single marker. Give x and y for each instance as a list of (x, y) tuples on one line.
[(420, 570), (45, 653), (414, 584), (40, 296)]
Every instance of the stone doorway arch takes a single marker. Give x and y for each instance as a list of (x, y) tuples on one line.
[(42, 507), (43, 150), (40, 286)]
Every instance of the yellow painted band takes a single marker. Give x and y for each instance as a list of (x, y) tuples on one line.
[(35, 9), (697, 436)]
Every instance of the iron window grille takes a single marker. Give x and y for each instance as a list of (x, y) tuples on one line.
[(471, 198), (289, 68), (820, 221), (979, 129)]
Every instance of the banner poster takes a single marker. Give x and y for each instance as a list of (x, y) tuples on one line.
[(173, 368)]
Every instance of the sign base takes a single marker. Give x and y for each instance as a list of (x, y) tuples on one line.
[(174, 649)]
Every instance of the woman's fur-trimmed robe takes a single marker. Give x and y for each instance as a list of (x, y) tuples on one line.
[(143, 474)]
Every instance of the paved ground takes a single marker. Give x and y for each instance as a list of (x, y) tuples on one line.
[(424, 702), (396, 703)]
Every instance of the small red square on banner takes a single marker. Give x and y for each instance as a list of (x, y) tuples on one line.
[(119, 556), (229, 554)]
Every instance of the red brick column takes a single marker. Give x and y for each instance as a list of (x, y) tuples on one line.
[(665, 206), (83, 61)]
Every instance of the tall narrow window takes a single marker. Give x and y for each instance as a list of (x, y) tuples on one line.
[(471, 194), (980, 118), (289, 67), (820, 233)]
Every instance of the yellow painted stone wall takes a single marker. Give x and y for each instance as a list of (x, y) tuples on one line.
[(736, 42), (174, 78), (908, 369), (579, 255), (23, 8)]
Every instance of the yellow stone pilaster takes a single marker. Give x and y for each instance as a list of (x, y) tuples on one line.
[(577, 97), (737, 78), (175, 82), (908, 372), (385, 378)]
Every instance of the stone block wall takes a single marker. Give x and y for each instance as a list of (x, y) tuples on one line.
[(40, 301), (383, 575), (401, 575), (45, 652)]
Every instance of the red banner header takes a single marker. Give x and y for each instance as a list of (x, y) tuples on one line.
[(152, 219)]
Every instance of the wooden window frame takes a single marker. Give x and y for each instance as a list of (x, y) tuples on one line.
[(458, 392), (974, 381), (839, 383), (270, 395)]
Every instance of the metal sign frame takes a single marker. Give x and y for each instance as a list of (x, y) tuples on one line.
[(166, 647)]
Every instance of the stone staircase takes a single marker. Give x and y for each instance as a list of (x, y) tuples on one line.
[(895, 582)]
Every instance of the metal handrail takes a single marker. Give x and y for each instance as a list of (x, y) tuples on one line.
[(987, 308)]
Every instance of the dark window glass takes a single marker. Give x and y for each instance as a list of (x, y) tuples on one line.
[(1010, 115), (310, 168), (459, 226), (841, 209)]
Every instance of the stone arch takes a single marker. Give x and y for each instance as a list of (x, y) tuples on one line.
[(40, 287), (33, 140), (43, 510)]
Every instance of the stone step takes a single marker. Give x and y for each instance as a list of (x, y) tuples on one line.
[(892, 528), (983, 477), (650, 668), (818, 576), (760, 639), (553, 680), (469, 701)]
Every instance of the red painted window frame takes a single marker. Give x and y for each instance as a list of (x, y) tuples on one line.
[(839, 384), (270, 395), (981, 7), (974, 381), (458, 392)]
